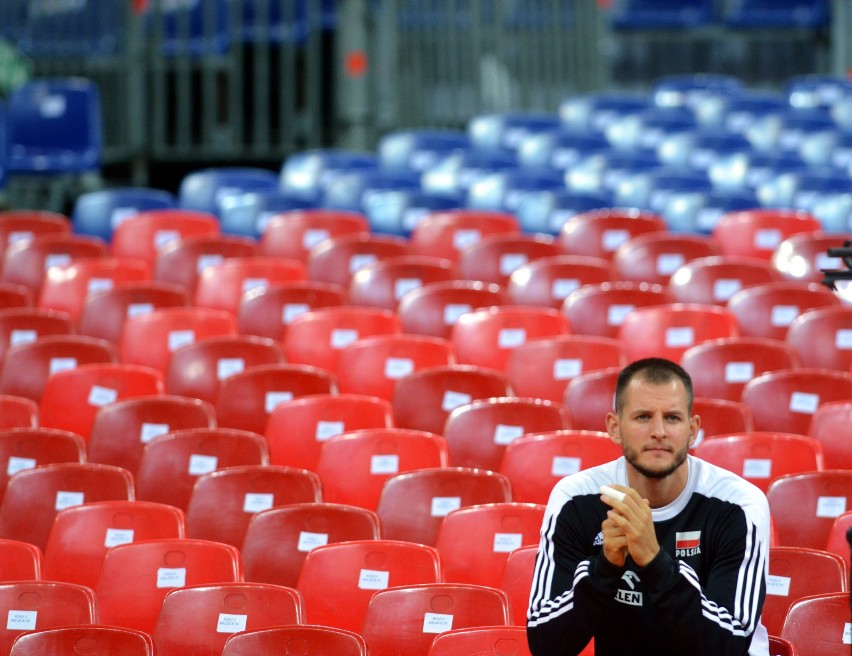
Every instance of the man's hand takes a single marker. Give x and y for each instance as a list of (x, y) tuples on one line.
[(629, 528)]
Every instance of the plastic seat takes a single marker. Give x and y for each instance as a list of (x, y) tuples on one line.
[(223, 502), (758, 233), (308, 172), (474, 542), (761, 457), (319, 640), (779, 646), (536, 462), (506, 190), (542, 368), (336, 259), (828, 425), (446, 234), (600, 232), (182, 260), (293, 234), (24, 225), (517, 580), (316, 338), (433, 309), (98, 213), (721, 417), (200, 618), (487, 337), (479, 432), (357, 569), (222, 286), (278, 540), (786, 400), (245, 399), (801, 256), (424, 399), (805, 506), (589, 397), (489, 641), (819, 337), (404, 620), (31, 605), (15, 296), (34, 496), (413, 505), (297, 429), (17, 412), (25, 325), (150, 339), (373, 365), (668, 330), (720, 368), (26, 448), (27, 367), (714, 280), (268, 312), (547, 281), (837, 542), (599, 310), (382, 284), (121, 430), (654, 257), (248, 212), (817, 624), (100, 640), (136, 577), (795, 572), (172, 463), (354, 466), (143, 235), (205, 190), (26, 261), (767, 310), (81, 536), (493, 259), (19, 561), (197, 370)]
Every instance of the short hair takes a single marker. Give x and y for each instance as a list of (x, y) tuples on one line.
[(653, 370)]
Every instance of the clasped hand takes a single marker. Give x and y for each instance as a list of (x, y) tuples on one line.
[(629, 529)]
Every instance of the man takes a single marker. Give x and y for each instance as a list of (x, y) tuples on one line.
[(678, 566)]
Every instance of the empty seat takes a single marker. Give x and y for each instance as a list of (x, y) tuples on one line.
[(599, 233), (517, 580), (542, 368), (654, 257), (786, 400), (822, 338), (98, 213), (434, 308), (721, 417), (293, 234), (720, 368), (761, 457), (279, 539), (200, 618), (142, 235), (373, 365), (105, 312), (383, 283), (316, 338), (172, 463), (19, 561), (589, 397), (81, 535), (26, 261), (24, 225), (828, 426), (182, 261), (151, 338), (25, 325), (197, 370), (803, 255), (205, 189), (758, 233), (268, 312), (405, 620), (17, 412), (805, 505), (354, 466), (136, 577), (34, 496), (413, 505), (71, 399), (487, 337), (668, 330), (222, 286), (246, 398), (767, 310), (13, 295), (336, 259), (535, 463), (223, 502), (121, 430), (548, 281), (357, 569), (493, 259), (99, 640), (713, 280), (817, 624), (479, 432), (475, 542), (837, 542), (486, 640), (779, 646), (325, 640), (446, 234), (599, 310), (297, 429)]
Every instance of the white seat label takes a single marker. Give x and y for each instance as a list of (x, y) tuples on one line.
[(804, 402), (356, 262), (250, 284), (341, 337), (757, 468), (229, 366), (163, 237), (506, 542), (680, 336), (511, 337), (615, 314), (308, 541), (778, 585), (724, 288), (292, 310), (830, 506), (767, 238), (396, 368), (138, 309), (117, 536), (272, 399), (17, 464), (62, 364), (256, 501), (504, 434), (101, 396), (384, 464), (612, 239), (511, 261), (463, 238), (149, 431), (201, 464), (314, 236), (371, 579), (668, 263), (437, 622), (57, 259), (783, 315), (178, 338), (229, 623), (65, 499), (443, 505), (207, 260), (21, 620), (99, 285), (843, 339), (328, 429), (562, 287), (453, 400), (171, 577), (847, 633), (22, 337), (567, 368), (404, 285), (452, 311), (739, 372), (565, 466)]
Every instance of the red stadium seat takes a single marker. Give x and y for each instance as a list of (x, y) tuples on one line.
[(822, 338), (599, 233), (516, 582), (714, 280), (805, 505), (222, 286), (15, 296), (23, 225), (144, 234), (268, 312), (26, 325), (828, 425), (336, 259), (99, 640), (721, 417), (293, 234), (493, 259), (182, 261), (486, 640), (758, 233), (654, 257), (446, 234), (382, 284), (818, 624), (548, 281), (802, 256), (599, 310), (17, 412), (26, 262), (19, 561), (589, 397), (837, 542), (316, 639)]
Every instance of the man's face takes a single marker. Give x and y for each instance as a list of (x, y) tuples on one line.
[(654, 427)]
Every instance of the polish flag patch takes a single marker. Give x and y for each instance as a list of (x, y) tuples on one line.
[(687, 539)]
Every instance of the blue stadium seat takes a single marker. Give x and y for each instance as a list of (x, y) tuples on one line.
[(808, 91), (596, 111), (702, 148), (418, 150), (97, 213), (507, 129), (700, 212), (799, 125), (654, 189), (602, 172), (3, 130), (702, 93), (353, 189), (643, 14), (280, 22), (741, 111), (504, 191), (559, 149), (248, 213), (206, 189), (456, 172), (193, 29), (546, 211), (307, 173), (776, 13), (646, 129), (397, 211)]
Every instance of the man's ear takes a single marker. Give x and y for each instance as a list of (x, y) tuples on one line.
[(612, 427), (694, 425)]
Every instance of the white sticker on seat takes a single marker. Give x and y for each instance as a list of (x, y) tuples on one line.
[(101, 396), (562, 287), (228, 367), (308, 541), (504, 434), (404, 285), (171, 577), (19, 336), (99, 285), (565, 466), (615, 313), (843, 339), (767, 238), (778, 585), (453, 400), (464, 238), (117, 536), (328, 429), (680, 336), (757, 468), (207, 260), (272, 399), (164, 237), (724, 288), (149, 431), (17, 464), (387, 463), (65, 499), (341, 337), (804, 402), (668, 263), (230, 623), (21, 620), (61, 364), (567, 368), (201, 464), (443, 505), (511, 337), (314, 236), (739, 372), (292, 310), (256, 501), (783, 315), (396, 368), (138, 309), (612, 239), (359, 261), (506, 542), (437, 622), (830, 506), (372, 579), (179, 338), (452, 311)]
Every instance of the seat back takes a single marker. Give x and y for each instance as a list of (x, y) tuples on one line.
[(599, 310), (383, 283), (817, 624), (181, 261), (805, 506), (837, 542), (488, 641), (598, 233), (144, 234), (293, 234), (99, 640), (493, 259), (25, 325), (548, 281), (714, 280), (721, 417), (279, 539), (98, 213), (15, 296), (828, 426), (319, 640), (433, 309), (24, 225), (758, 233), (589, 397), (268, 312), (222, 286), (654, 257), (768, 309), (336, 259), (819, 337), (446, 234), (20, 561), (517, 580)]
